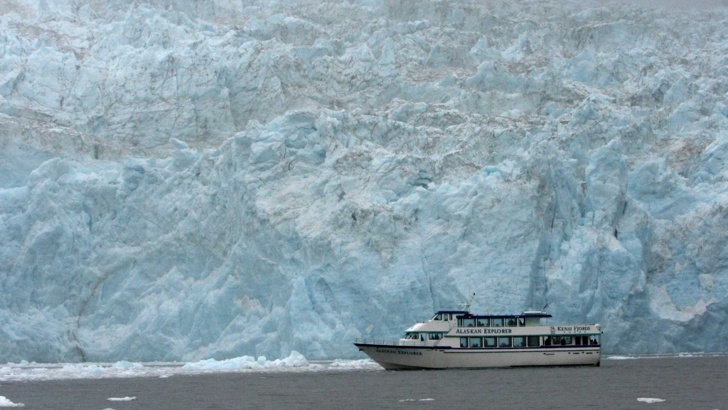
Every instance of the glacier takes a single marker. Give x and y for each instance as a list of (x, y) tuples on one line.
[(189, 180)]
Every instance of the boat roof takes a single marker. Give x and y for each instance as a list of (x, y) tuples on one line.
[(537, 314), (457, 312), (465, 313)]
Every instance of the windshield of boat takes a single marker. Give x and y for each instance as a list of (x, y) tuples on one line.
[(442, 316)]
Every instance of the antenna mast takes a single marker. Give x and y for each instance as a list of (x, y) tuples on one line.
[(466, 306)]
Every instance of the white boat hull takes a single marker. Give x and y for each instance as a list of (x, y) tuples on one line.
[(417, 357)]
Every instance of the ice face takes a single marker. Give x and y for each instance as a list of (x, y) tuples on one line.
[(194, 180)]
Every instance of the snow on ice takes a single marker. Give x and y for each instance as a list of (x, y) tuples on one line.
[(196, 180)]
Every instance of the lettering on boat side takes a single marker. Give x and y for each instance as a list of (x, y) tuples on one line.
[(486, 331), (573, 328), (491, 331), (398, 351)]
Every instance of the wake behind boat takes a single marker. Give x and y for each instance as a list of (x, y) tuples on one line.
[(460, 339)]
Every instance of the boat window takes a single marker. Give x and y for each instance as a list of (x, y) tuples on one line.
[(437, 317), (468, 322), (463, 342), (475, 342), (534, 341), (511, 322), (483, 322), (521, 321), (547, 340), (411, 335), (489, 341), (562, 340), (504, 341), (435, 336), (497, 322), (519, 341), (594, 339)]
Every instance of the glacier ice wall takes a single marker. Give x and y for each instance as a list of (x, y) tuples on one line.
[(206, 179)]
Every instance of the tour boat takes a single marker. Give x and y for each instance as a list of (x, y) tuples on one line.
[(454, 339)]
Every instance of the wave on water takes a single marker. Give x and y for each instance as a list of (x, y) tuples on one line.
[(295, 362)]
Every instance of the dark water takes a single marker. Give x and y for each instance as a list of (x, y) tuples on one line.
[(684, 383)]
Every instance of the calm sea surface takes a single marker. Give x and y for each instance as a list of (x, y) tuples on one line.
[(683, 383)]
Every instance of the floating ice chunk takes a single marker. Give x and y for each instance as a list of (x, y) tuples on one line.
[(649, 400), (295, 359), (4, 402), (295, 362), (123, 364), (127, 398), (363, 364), (686, 354), (243, 362)]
